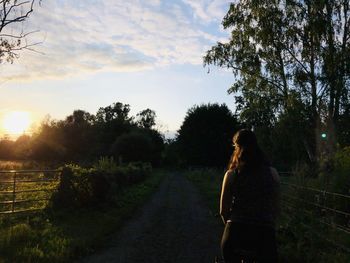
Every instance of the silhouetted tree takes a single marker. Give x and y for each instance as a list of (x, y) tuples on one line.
[(139, 145), (83, 137), (277, 48), (290, 137), (205, 136), (22, 147), (171, 153), (117, 111), (146, 118), (157, 145), (6, 149), (48, 142), (78, 135), (111, 122), (344, 128), (132, 147)]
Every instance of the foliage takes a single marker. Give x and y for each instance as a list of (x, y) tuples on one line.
[(6, 149), (205, 136), (341, 172), (46, 142), (209, 183), (117, 111), (106, 164), (83, 137), (281, 48), (171, 156), (131, 147), (300, 235), (66, 236), (86, 187), (343, 132), (23, 165), (289, 142), (146, 118)]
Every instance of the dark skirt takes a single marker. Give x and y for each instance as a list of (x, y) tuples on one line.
[(248, 242)]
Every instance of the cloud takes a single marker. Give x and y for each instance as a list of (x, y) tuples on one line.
[(208, 11), (112, 35)]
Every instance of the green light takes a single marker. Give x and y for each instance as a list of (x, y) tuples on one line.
[(324, 135)]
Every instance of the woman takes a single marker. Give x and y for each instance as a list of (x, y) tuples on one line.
[(249, 203)]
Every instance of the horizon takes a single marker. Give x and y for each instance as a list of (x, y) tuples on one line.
[(149, 58)]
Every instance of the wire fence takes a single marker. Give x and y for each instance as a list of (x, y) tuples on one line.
[(326, 209), (26, 190)]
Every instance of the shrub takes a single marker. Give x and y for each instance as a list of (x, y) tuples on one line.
[(341, 179), (76, 188), (83, 187)]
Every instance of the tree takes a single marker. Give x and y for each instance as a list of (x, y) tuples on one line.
[(21, 147), (111, 122), (117, 111), (146, 118), (6, 149), (48, 142), (290, 136), (139, 145), (278, 48), (13, 12), (133, 147), (205, 136), (171, 153), (78, 135)]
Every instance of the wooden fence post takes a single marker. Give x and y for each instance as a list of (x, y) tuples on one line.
[(14, 192)]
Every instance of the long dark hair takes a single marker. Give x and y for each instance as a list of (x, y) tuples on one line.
[(247, 154)]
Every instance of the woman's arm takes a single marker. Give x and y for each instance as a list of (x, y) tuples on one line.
[(226, 197)]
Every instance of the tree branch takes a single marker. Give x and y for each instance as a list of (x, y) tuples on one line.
[(21, 18), (20, 36), (253, 73)]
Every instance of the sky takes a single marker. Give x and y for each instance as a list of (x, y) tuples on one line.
[(92, 53)]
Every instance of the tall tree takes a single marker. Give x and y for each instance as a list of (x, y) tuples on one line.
[(205, 136), (280, 47), (78, 135)]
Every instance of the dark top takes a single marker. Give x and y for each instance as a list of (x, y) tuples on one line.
[(255, 196)]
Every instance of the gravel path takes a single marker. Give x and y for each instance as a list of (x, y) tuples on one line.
[(174, 226)]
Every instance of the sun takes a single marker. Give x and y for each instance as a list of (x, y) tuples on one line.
[(16, 122)]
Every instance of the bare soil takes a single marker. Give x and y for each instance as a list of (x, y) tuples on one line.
[(175, 225)]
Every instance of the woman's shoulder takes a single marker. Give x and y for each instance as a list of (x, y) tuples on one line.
[(230, 174)]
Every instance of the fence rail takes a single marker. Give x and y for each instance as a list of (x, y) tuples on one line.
[(19, 187), (328, 209)]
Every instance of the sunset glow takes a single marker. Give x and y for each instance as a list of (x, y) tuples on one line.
[(16, 122)]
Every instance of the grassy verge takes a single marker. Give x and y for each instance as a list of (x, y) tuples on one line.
[(209, 183), (300, 237), (63, 237)]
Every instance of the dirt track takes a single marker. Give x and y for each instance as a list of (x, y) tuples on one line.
[(174, 226)]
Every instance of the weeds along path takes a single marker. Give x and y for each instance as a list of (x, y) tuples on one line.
[(174, 226)]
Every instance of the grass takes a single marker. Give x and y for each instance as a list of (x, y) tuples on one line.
[(300, 236), (209, 183), (6, 165), (63, 237)]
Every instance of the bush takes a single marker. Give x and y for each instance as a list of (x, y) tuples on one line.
[(76, 188), (83, 187), (341, 179)]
